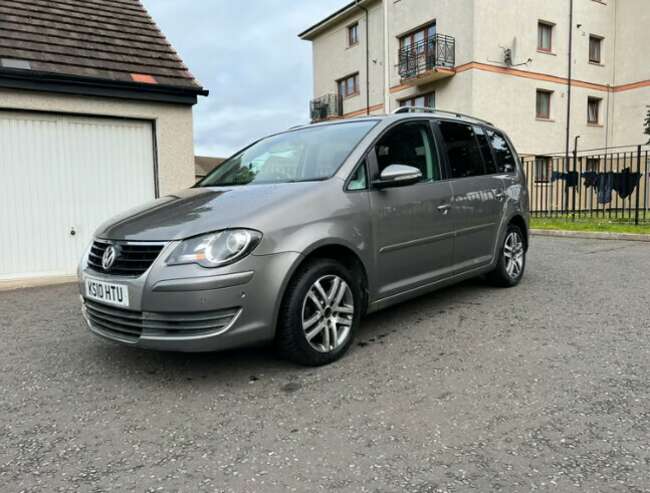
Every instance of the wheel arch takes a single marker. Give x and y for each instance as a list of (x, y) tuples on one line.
[(519, 221), (328, 249)]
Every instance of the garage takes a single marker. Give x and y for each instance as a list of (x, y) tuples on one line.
[(96, 117), (53, 191)]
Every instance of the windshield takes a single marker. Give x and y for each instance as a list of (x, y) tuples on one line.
[(307, 154)]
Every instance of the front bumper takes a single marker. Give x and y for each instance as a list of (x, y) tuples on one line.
[(191, 309)]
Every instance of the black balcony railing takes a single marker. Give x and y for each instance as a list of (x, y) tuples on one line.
[(426, 55), (326, 107)]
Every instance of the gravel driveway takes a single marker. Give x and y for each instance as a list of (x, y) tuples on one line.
[(541, 387)]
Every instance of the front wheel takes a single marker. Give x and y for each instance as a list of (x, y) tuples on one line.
[(320, 314), (512, 259)]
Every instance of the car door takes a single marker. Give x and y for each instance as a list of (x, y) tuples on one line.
[(478, 193), (413, 231)]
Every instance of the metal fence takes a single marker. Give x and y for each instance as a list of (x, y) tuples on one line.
[(612, 185)]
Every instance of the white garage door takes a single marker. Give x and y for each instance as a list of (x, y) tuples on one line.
[(60, 178)]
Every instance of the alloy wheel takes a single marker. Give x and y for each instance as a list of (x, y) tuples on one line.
[(513, 252), (328, 313)]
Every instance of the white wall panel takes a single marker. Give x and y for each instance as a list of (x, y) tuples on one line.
[(64, 172)]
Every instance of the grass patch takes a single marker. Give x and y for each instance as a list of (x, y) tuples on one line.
[(598, 225)]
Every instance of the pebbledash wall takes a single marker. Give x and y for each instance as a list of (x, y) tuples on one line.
[(173, 125), (483, 85)]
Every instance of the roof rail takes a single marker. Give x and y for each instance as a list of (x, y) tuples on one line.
[(422, 109)]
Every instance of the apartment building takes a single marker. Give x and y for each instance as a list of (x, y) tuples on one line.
[(505, 61)]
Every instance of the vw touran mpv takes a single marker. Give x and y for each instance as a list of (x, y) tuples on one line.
[(297, 236)]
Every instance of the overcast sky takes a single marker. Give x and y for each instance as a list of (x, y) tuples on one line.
[(250, 58)]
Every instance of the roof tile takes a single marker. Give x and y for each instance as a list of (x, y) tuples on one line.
[(114, 40)]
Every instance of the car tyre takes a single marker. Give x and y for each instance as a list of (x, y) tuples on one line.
[(320, 313), (512, 259)]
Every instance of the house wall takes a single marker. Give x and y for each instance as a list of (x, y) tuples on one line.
[(484, 86), (174, 126), (334, 59), (452, 17), (632, 73)]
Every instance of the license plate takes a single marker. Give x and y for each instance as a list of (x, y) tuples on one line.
[(106, 292)]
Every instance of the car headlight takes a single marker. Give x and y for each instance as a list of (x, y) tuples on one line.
[(216, 249)]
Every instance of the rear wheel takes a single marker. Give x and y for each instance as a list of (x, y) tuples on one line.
[(320, 314), (512, 259)]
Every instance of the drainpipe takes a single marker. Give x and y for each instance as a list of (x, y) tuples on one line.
[(386, 60), (367, 56), (570, 83)]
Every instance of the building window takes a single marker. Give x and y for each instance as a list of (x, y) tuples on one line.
[(593, 164), (349, 86), (543, 107), (422, 101), (593, 111), (419, 40), (543, 169), (545, 36), (595, 48), (353, 34)]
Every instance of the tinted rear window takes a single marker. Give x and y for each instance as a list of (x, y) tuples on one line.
[(506, 161), (462, 150)]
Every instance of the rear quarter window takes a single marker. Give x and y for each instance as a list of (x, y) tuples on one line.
[(505, 156)]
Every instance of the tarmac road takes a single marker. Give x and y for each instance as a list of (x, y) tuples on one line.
[(544, 387)]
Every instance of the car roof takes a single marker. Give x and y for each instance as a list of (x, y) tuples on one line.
[(408, 113)]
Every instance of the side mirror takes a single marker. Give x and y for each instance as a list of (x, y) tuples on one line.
[(398, 175)]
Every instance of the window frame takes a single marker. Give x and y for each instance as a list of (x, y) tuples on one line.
[(548, 161), (353, 34), (364, 162), (599, 40), (541, 24), (355, 78), (589, 162), (373, 161), (598, 101), (426, 96), (511, 148), (443, 147), (410, 35), (548, 93)]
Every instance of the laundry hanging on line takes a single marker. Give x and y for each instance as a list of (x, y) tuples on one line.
[(624, 183)]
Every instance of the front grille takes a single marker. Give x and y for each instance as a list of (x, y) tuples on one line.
[(132, 259), (130, 325)]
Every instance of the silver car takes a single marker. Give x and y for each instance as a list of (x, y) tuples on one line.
[(295, 238)]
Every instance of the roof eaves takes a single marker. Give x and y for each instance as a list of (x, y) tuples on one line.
[(310, 33), (90, 86)]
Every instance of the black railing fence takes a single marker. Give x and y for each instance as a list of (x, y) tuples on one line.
[(425, 55), (325, 107), (610, 185)]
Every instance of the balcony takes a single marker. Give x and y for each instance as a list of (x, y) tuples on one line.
[(428, 60), (327, 107)]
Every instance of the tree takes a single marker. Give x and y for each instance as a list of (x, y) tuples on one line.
[(646, 124)]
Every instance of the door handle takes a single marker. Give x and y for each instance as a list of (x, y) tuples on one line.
[(444, 208), (500, 196)]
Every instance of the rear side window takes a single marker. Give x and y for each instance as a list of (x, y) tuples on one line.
[(462, 150), (486, 151), (506, 162)]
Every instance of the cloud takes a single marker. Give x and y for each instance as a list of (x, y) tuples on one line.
[(250, 58)]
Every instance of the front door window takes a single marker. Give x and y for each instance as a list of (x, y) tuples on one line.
[(410, 144)]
